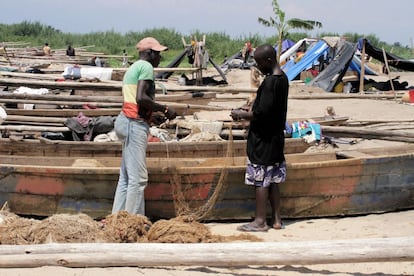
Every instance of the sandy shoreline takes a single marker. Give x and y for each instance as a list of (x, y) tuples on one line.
[(388, 225)]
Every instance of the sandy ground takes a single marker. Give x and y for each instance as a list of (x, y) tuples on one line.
[(396, 224)]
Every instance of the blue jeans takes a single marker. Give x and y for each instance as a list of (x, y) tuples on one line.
[(133, 175)]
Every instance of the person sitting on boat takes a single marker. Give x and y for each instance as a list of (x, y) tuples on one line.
[(47, 50), (266, 166), (132, 126), (70, 51)]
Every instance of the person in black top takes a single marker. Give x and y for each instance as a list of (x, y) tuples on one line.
[(70, 51), (266, 166)]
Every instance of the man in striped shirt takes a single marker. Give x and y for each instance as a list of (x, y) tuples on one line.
[(132, 126)]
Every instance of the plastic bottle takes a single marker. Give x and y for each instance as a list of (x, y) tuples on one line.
[(347, 87)]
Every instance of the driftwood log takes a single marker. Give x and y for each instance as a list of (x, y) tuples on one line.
[(368, 133), (208, 254)]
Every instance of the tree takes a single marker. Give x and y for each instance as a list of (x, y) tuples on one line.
[(283, 26)]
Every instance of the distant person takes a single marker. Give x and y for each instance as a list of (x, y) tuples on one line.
[(266, 166), (98, 62), (246, 52), (70, 51), (124, 58), (47, 50), (95, 61), (132, 126)]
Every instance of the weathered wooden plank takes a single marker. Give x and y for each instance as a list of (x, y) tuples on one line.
[(46, 147)]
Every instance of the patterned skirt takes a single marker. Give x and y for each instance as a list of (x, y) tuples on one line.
[(263, 176)]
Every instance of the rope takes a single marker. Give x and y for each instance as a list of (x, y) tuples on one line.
[(163, 88)]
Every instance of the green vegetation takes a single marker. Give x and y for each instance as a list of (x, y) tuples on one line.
[(219, 45), (284, 26)]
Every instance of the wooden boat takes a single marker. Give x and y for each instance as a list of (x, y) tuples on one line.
[(46, 147), (322, 184)]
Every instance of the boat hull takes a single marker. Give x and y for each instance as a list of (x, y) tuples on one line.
[(45, 147), (318, 185)]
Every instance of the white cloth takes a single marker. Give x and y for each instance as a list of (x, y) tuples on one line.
[(31, 91)]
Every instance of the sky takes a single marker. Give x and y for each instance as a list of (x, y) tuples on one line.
[(390, 21)]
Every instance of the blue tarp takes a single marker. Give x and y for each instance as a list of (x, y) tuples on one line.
[(355, 65), (286, 44), (311, 56)]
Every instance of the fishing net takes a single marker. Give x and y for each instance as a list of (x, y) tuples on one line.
[(125, 227), (60, 228), (14, 229), (121, 227), (181, 204), (184, 229)]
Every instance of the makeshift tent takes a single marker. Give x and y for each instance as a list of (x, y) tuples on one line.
[(333, 73), (177, 61), (286, 44), (174, 63), (355, 65), (393, 60), (310, 57), (292, 50)]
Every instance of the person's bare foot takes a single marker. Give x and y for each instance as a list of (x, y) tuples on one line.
[(278, 226), (253, 227)]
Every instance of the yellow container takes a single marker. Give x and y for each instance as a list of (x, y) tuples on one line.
[(339, 88)]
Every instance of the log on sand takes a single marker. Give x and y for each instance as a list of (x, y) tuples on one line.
[(208, 254)]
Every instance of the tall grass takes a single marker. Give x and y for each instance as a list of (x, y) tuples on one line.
[(218, 44)]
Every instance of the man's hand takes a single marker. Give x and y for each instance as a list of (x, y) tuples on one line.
[(170, 113), (158, 118), (237, 114)]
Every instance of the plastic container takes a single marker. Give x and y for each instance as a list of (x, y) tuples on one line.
[(339, 88), (181, 81), (347, 87)]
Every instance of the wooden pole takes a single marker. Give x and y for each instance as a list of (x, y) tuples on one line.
[(362, 75), (367, 133), (388, 70), (208, 254), (33, 128)]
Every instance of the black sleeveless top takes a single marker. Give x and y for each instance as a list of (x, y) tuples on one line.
[(266, 139)]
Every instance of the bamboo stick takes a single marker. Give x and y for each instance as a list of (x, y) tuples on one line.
[(359, 130), (362, 76), (34, 119), (173, 97), (369, 134), (388, 70), (208, 254), (33, 128), (65, 103), (61, 85)]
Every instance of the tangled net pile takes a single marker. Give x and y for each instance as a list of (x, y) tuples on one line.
[(123, 227), (116, 228)]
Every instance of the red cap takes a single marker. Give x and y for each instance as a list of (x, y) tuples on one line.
[(150, 43)]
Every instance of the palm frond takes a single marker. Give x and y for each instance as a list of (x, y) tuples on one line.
[(264, 22), (304, 24), (275, 5)]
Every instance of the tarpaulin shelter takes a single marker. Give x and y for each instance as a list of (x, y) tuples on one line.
[(333, 73), (356, 64), (189, 52), (393, 60), (293, 49), (310, 57), (286, 44)]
